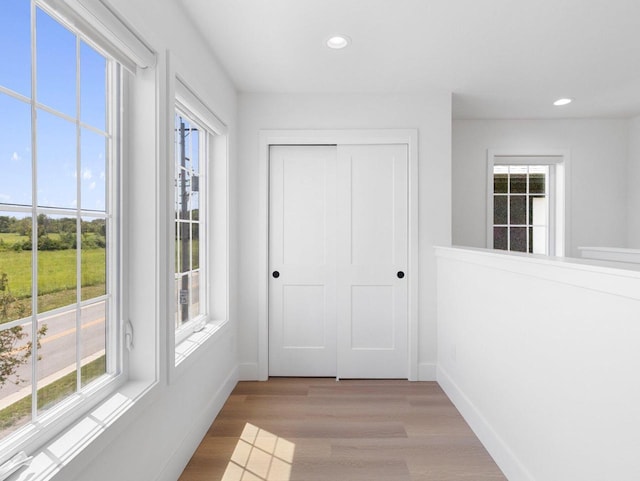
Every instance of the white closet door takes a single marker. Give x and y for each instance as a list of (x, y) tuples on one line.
[(302, 309), (372, 243), (337, 240)]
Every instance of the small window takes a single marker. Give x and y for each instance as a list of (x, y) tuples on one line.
[(190, 224), (521, 208), (524, 204)]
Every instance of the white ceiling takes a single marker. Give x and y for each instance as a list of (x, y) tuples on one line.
[(500, 58)]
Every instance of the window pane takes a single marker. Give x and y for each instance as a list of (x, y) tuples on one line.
[(184, 181), (538, 240), (518, 239), (500, 183), (93, 90), (16, 411), (195, 294), (93, 258), (93, 179), (15, 151), (56, 167), (57, 359), (93, 341), (194, 204), (537, 183), (500, 238), (15, 57), (15, 266), (500, 209), (194, 149), (55, 64), (518, 209), (182, 290), (57, 276), (195, 246), (183, 250), (518, 183), (537, 210)]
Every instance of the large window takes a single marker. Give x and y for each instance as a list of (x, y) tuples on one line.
[(526, 204), (190, 243), (58, 217)]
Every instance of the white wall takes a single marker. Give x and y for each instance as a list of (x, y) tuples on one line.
[(161, 438), (541, 358), (598, 176), (633, 184), (431, 114)]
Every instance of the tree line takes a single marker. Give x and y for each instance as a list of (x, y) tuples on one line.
[(53, 233)]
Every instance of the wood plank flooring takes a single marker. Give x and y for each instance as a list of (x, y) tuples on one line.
[(319, 429)]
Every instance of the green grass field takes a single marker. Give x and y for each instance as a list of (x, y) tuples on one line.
[(56, 278), (11, 238)]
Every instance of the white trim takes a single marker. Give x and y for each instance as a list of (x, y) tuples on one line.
[(267, 138), (175, 464), (97, 20), (504, 457), (599, 276), (427, 371), (559, 211), (192, 106), (215, 178), (617, 254)]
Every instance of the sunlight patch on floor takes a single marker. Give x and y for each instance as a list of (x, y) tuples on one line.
[(260, 456)]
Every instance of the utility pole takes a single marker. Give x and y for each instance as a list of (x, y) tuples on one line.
[(185, 251)]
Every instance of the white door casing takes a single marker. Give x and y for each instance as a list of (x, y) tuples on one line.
[(406, 138)]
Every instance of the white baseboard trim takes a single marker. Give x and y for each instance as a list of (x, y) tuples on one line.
[(504, 457), (427, 372), (248, 371), (181, 456)]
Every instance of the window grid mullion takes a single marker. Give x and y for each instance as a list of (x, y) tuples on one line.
[(526, 209), (34, 221), (509, 208), (78, 222)]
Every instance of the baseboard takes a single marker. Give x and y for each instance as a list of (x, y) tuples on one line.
[(248, 371), (427, 372), (181, 456), (504, 457)]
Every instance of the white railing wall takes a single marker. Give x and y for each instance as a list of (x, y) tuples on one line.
[(542, 358)]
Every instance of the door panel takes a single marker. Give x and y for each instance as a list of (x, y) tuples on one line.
[(372, 317), (372, 247), (303, 317), (372, 216), (302, 340)]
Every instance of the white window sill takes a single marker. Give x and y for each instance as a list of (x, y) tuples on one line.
[(92, 433), (185, 351)]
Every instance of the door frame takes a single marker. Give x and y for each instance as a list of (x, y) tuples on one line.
[(267, 138)]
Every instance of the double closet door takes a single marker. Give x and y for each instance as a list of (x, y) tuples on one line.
[(338, 239)]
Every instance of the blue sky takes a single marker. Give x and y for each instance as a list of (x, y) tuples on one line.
[(56, 144)]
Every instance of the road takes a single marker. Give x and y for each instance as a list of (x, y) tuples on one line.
[(58, 347)]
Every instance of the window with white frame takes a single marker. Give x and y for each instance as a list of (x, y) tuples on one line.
[(524, 202), (191, 154), (60, 237), (199, 241)]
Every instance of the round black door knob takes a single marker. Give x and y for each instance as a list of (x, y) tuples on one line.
[(400, 274), (275, 274)]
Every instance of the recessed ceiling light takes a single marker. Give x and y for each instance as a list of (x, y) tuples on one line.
[(338, 41), (561, 102)]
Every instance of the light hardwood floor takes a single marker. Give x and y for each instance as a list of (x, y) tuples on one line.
[(320, 429)]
